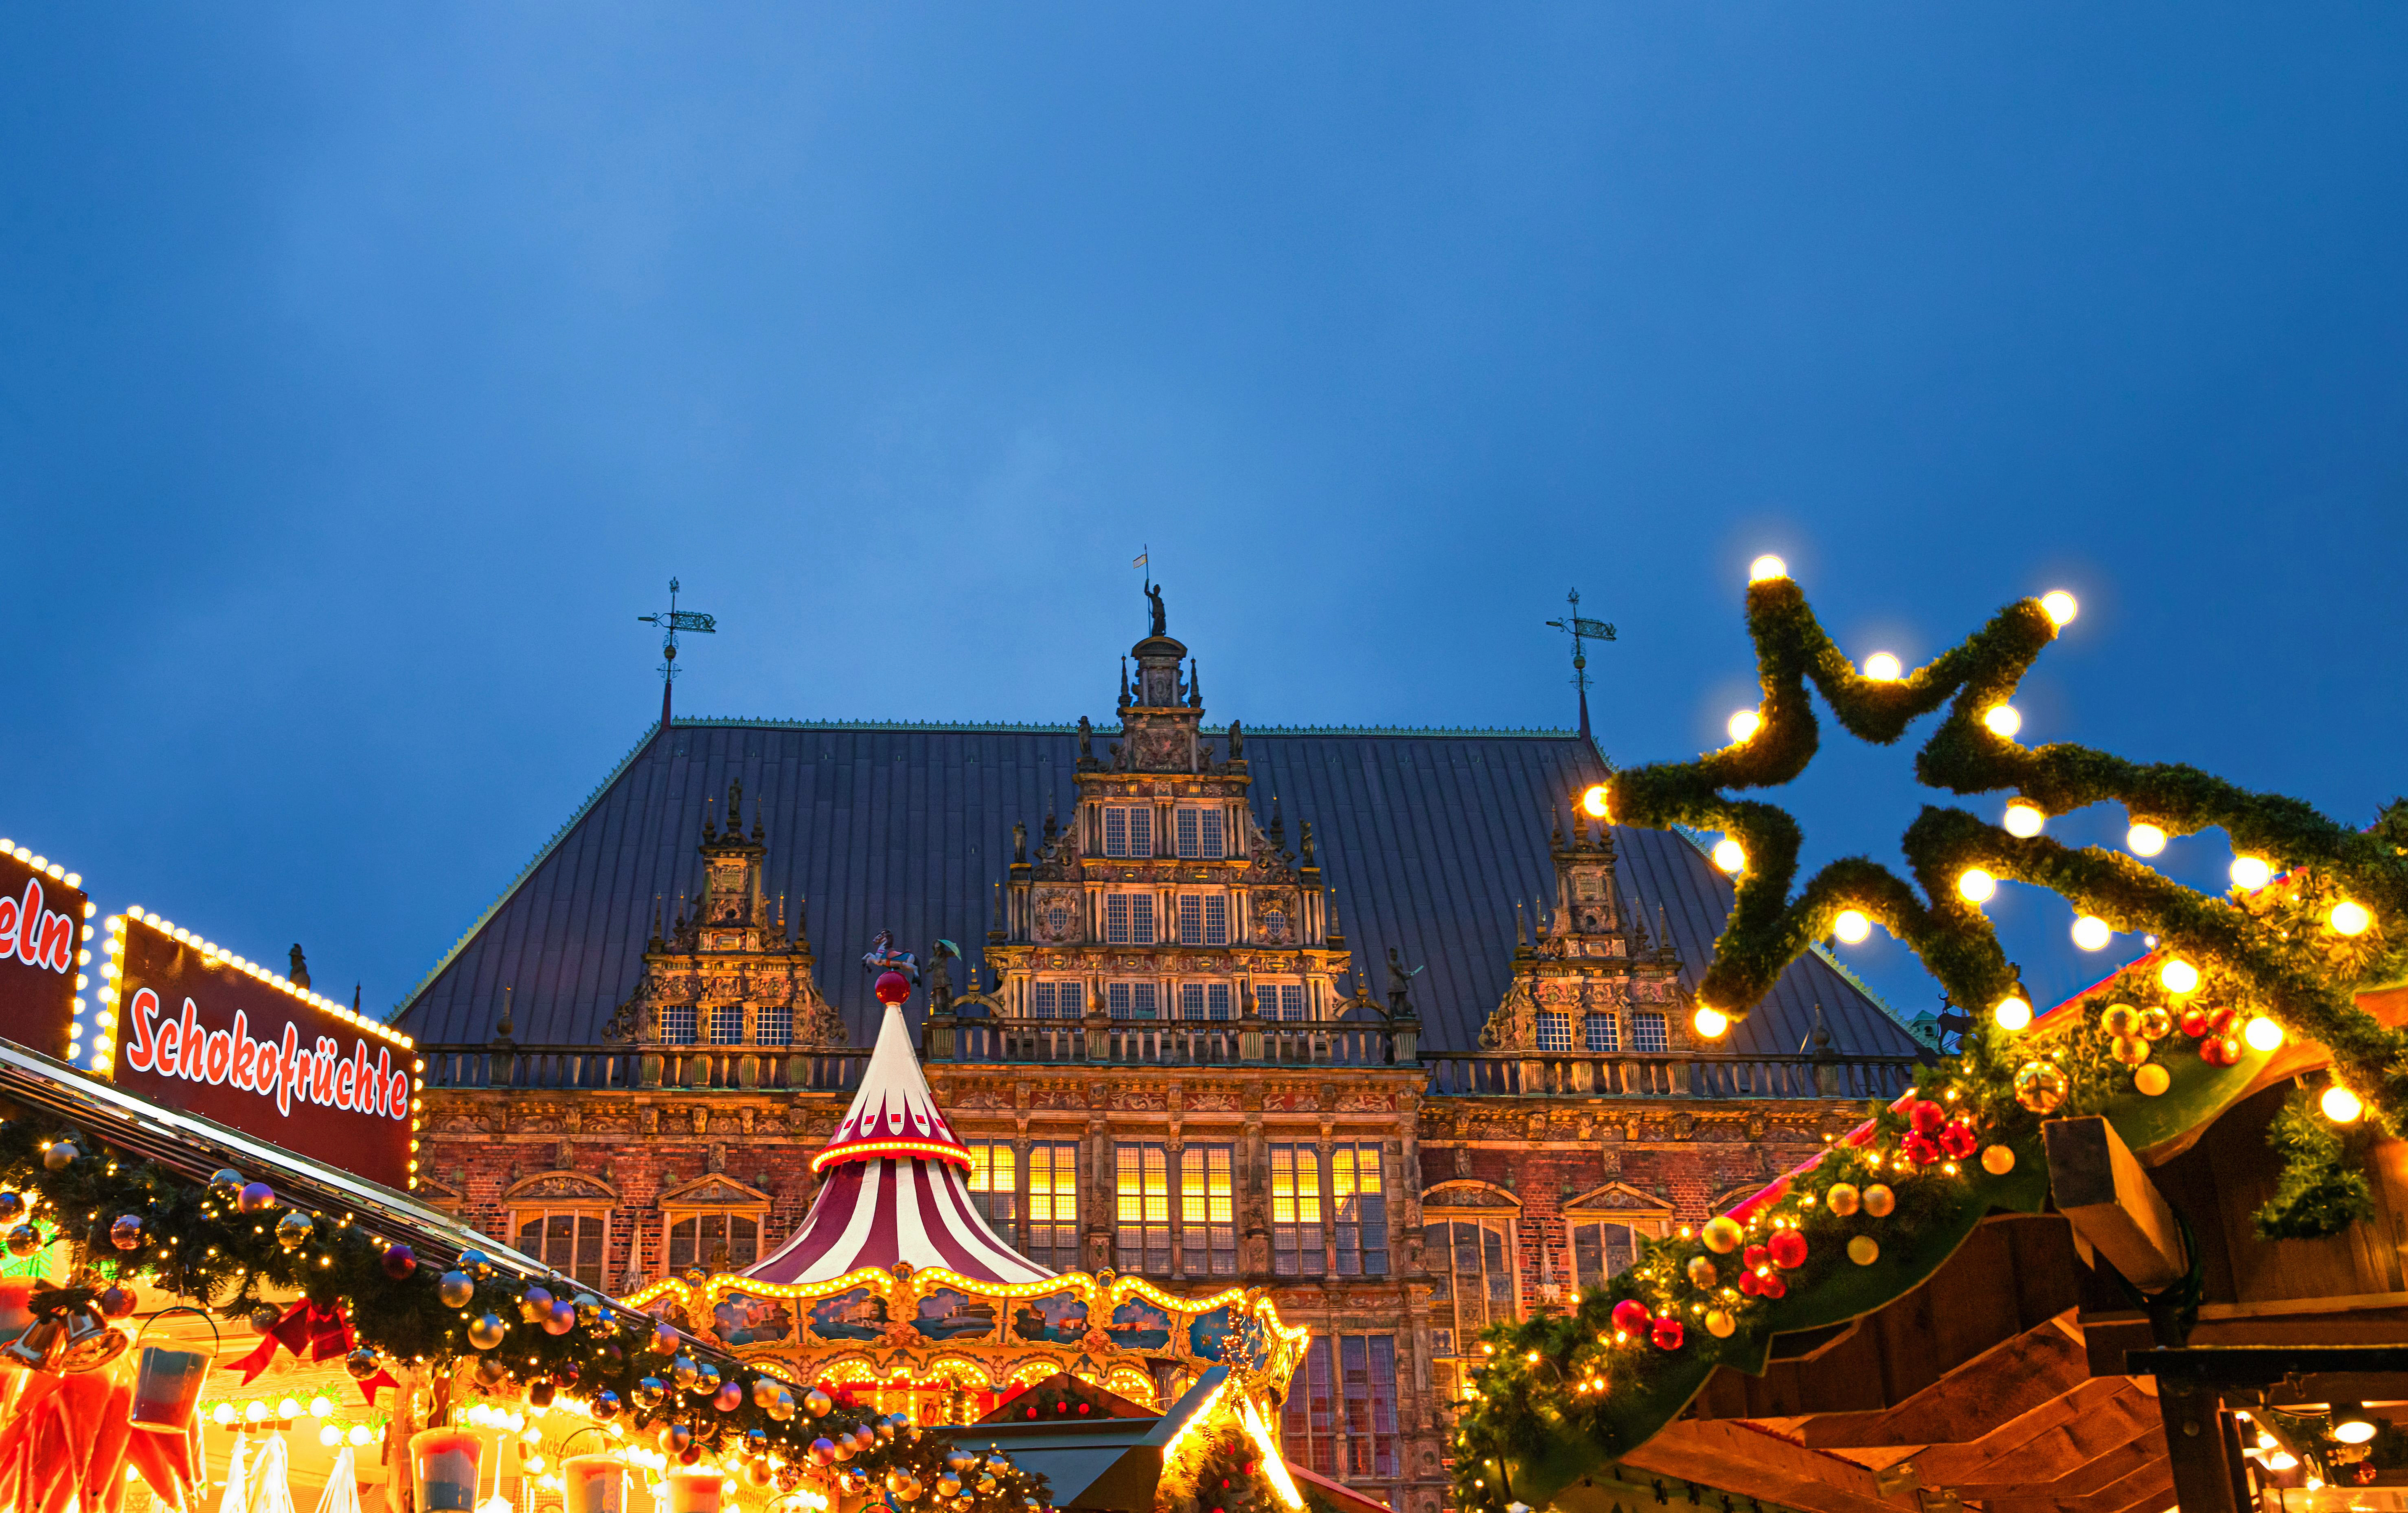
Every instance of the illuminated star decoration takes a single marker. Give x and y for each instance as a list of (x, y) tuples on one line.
[(2295, 946)]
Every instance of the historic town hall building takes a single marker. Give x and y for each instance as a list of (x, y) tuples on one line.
[(1372, 1018)]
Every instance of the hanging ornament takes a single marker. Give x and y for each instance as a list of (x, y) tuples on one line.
[(1999, 1159), (60, 1155), (125, 1232), (534, 1305), (264, 1319), (676, 1438), (1723, 1234), (117, 1301), (2131, 1050), (360, 1365), (2156, 1024), (490, 1371), (23, 1241), (729, 1398), (2040, 1086), (706, 1378), (665, 1340), (781, 1406), (456, 1288), (1925, 1117), (903, 1484), (561, 1319), (398, 1260), (1665, 1333), (606, 1405), (848, 1481), (487, 1331), (788, 1477), (683, 1372), (1787, 1248), (539, 1393), (1958, 1140), (1864, 1250), (292, 1231), (1720, 1324), (12, 1207), (648, 1394), (1880, 1199), (1919, 1148), (2120, 1019), (256, 1197), (2152, 1079), (1843, 1199), (588, 1309), (823, 1453), (1701, 1272), (817, 1403), (225, 1187), (1631, 1315), (478, 1265)]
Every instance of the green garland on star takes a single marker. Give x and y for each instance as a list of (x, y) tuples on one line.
[(191, 1241), (2276, 952)]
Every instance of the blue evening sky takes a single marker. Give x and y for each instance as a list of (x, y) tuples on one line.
[(364, 371)]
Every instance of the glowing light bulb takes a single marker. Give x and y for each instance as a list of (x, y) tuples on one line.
[(2178, 977), (329, 1435), (1594, 802), (2350, 919), (2059, 606), (288, 1410), (1976, 886), (1852, 926), (2090, 933), (1710, 1023), (1743, 723), (223, 1414), (2146, 840), (1729, 855), (2003, 721), (320, 1407), (362, 1436), (2250, 874), (2024, 821), (2281, 1461), (2340, 1106), (256, 1413), (1766, 569), (2263, 1034), (2013, 1013)]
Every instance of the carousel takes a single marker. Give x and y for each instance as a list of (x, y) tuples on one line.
[(896, 1292)]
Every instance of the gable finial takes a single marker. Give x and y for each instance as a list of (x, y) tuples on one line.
[(1195, 685)]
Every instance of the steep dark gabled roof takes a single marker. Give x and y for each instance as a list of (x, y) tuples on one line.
[(1428, 838)]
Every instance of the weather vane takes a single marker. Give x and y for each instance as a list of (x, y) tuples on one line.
[(672, 620), (1582, 630)]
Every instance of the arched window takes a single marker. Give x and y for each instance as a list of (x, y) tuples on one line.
[(1470, 1263), (716, 1242)]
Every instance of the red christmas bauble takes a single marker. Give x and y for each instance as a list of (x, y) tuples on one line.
[(2221, 1019), (2194, 1022), (1926, 1117), (1771, 1287), (1753, 1256), (1919, 1148), (1666, 1333), (1631, 1315), (1789, 1249), (1959, 1140), (1750, 1284), (892, 987)]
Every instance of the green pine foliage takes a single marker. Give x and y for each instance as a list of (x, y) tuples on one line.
[(2323, 1189)]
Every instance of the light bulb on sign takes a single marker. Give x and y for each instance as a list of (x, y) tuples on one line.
[(2024, 821), (1852, 926), (1766, 569), (2003, 721), (2090, 933), (2146, 840), (1729, 855), (2249, 873), (1882, 668), (1743, 723), (1976, 886), (2059, 606)]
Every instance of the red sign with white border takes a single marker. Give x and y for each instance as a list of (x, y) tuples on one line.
[(193, 1028), (42, 952)]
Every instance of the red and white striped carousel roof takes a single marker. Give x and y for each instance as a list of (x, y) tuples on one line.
[(896, 1191)]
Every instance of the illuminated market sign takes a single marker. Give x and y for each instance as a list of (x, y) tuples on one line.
[(42, 950), (188, 1025)]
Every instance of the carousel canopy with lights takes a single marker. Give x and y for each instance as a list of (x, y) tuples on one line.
[(894, 1189)]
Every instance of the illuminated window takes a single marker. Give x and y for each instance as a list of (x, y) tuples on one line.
[(774, 1026), (1128, 920), (1200, 833), (1363, 1442), (1295, 1211), (1648, 1032), (1128, 831), (1471, 1283), (714, 1242), (1555, 1030), (1143, 1233), (1129, 1000), (1359, 1211), (727, 1024), (569, 1244), (1207, 1233), (995, 1185), (1601, 1249), (678, 1024), (1053, 1205), (1602, 1032), (1059, 1001)]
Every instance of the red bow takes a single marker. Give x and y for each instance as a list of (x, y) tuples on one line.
[(313, 1331)]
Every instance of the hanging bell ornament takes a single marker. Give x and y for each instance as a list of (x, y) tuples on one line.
[(257, 1197), (781, 1406), (490, 1371), (648, 1394), (487, 1331), (562, 1319), (125, 1232), (478, 1265), (398, 1260), (60, 1155), (729, 1398), (360, 1365), (606, 1405), (456, 1288), (225, 1187), (40, 1346), (264, 1319), (292, 1231), (534, 1305), (817, 1403)]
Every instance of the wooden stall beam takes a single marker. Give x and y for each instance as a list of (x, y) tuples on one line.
[(2104, 1190)]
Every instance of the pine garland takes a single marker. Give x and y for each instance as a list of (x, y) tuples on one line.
[(2323, 1189), (228, 1261), (1221, 1475)]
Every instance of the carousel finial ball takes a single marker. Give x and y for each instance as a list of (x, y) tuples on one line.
[(892, 988)]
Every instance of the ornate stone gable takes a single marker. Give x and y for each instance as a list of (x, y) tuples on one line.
[(1589, 959)]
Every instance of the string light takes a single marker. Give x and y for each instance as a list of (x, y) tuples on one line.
[(2250, 872), (1729, 855), (2024, 821), (1852, 926), (1976, 886), (2340, 1106), (2350, 919), (2178, 977), (2090, 933), (1710, 1023), (2012, 1014), (1743, 723), (2060, 608), (1882, 668), (2263, 1034), (2146, 840), (2003, 721), (1766, 569), (1594, 802)]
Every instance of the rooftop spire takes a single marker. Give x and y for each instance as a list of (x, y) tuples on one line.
[(671, 622)]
